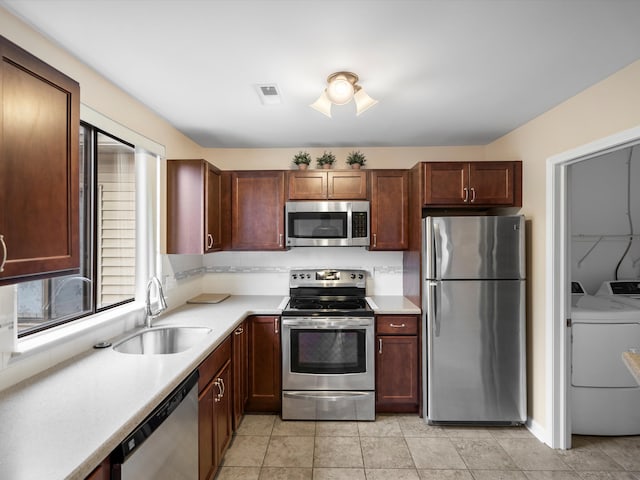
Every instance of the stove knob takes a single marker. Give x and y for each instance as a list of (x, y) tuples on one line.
[(353, 276), (295, 276), (308, 275), (360, 276)]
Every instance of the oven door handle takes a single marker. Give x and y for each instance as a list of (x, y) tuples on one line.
[(331, 398), (322, 323)]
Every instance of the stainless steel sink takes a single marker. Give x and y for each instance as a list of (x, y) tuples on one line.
[(162, 340)]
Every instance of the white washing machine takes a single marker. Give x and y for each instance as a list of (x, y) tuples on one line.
[(605, 398)]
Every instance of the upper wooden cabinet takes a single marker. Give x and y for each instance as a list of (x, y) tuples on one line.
[(194, 215), (472, 184), (257, 210), (39, 169), (327, 185), (389, 209)]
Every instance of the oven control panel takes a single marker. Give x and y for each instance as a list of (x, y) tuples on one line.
[(327, 277)]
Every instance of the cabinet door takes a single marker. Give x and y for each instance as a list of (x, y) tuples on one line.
[(389, 210), (213, 205), (307, 185), (264, 365), (222, 412), (239, 363), (39, 168), (257, 208), (446, 183), (491, 183), (397, 373), (206, 451), (194, 218), (347, 185)]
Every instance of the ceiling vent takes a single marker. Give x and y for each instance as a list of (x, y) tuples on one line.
[(269, 93)]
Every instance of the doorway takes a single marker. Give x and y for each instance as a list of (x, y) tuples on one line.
[(558, 275)]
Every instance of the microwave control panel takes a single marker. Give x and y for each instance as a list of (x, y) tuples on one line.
[(359, 225)]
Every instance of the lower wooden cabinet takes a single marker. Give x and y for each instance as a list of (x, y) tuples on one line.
[(264, 369), (102, 471), (215, 391), (397, 364)]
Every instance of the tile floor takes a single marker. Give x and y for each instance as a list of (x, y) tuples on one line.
[(403, 447)]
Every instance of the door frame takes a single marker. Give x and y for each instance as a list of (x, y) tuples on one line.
[(558, 276)]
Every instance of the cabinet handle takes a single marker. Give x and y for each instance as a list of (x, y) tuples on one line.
[(393, 325), (223, 387), (217, 384), (466, 194), (375, 239), (380, 346), (275, 325), (4, 253), (280, 239), (239, 331), (209, 241), (473, 194)]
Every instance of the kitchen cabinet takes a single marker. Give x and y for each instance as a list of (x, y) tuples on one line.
[(257, 210), (472, 184), (240, 378), (397, 363), (323, 185), (389, 209), (264, 371), (39, 168), (214, 409), (194, 207), (101, 472)]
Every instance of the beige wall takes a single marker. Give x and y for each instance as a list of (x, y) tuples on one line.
[(608, 107)]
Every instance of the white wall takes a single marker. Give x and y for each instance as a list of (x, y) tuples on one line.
[(598, 203)]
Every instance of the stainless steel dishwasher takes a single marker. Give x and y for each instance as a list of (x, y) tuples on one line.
[(165, 445)]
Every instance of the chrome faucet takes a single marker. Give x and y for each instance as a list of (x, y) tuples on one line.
[(161, 304)]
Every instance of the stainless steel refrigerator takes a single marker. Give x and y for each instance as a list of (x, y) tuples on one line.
[(474, 359)]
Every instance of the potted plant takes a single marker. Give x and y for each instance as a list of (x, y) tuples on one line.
[(356, 159), (326, 160), (302, 160)]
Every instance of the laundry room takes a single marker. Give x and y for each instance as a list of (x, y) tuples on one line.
[(605, 318), (605, 218)]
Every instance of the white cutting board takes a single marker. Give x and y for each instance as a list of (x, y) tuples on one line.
[(208, 298)]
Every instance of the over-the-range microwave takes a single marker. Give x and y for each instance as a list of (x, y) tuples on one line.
[(327, 224)]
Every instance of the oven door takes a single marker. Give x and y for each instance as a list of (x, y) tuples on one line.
[(330, 353)]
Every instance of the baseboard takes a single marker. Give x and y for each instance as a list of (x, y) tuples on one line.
[(537, 430)]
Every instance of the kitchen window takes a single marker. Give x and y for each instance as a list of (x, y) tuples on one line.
[(107, 276)]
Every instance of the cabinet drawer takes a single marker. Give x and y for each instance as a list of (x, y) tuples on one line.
[(213, 363), (397, 325)]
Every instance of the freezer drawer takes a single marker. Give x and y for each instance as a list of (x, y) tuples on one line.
[(476, 351)]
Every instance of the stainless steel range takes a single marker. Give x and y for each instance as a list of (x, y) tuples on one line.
[(328, 347)]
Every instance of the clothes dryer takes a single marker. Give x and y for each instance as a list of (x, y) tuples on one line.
[(604, 395), (623, 291)]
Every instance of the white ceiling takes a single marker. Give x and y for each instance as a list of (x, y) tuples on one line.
[(445, 72)]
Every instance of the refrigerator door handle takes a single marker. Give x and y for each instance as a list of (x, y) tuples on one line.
[(432, 302)]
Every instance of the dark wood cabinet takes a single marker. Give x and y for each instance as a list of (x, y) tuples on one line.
[(472, 184), (389, 209), (397, 363), (264, 369), (39, 168), (257, 210), (101, 472), (215, 391), (194, 207), (240, 377), (323, 185)]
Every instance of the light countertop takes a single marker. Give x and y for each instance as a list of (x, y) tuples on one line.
[(632, 360), (62, 423)]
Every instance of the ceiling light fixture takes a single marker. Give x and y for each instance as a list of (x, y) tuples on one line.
[(341, 88)]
